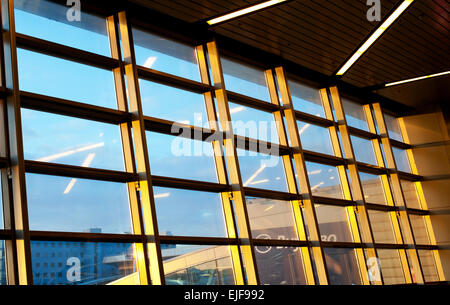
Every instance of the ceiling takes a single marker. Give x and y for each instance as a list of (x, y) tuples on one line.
[(321, 34)]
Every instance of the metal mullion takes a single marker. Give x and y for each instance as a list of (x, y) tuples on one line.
[(238, 266), (351, 210), (141, 151), (17, 167), (305, 189), (141, 251), (290, 178), (357, 194), (393, 215), (398, 192), (247, 248)]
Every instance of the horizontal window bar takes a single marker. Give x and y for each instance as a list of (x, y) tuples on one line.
[(189, 184), (4, 162), (399, 144), (333, 201), (281, 242), (167, 239), (252, 102), (381, 207), (313, 119), (362, 133), (86, 237), (65, 52), (334, 244), (313, 156), (417, 211), (6, 234), (264, 193)]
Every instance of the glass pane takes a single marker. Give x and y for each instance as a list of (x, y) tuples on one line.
[(271, 219), (2, 263), (306, 99), (262, 171), (428, 265), (65, 79), (315, 138), (333, 223), (77, 205), (189, 213), (60, 139), (363, 150), (197, 265), (419, 229), (253, 123), (393, 127), (49, 21), (244, 79), (410, 194), (342, 266), (354, 114), (1, 207), (401, 159), (373, 188), (162, 54), (179, 157), (280, 265), (382, 229), (81, 263), (324, 180), (391, 267), (173, 104)]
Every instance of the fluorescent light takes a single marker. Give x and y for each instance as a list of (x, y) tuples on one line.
[(303, 129), (244, 11), (416, 78), (252, 177), (70, 152), (383, 27), (162, 195), (260, 181), (149, 62), (316, 186), (237, 109), (86, 163)]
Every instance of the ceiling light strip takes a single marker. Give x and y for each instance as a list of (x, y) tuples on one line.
[(416, 79)]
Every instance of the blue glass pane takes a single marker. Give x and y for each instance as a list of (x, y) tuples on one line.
[(65, 79), (189, 213), (81, 263), (2, 263), (77, 205), (306, 99), (173, 104), (393, 127), (315, 138), (61, 139), (180, 157), (244, 79), (363, 150), (355, 115), (49, 21), (324, 180), (252, 123), (401, 159), (197, 265), (158, 53), (262, 171)]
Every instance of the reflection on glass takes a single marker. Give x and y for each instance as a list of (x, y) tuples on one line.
[(180, 157), (391, 266), (363, 150), (60, 139), (172, 104), (419, 229), (333, 223), (410, 194), (253, 123), (197, 265), (48, 20), (189, 213), (342, 266), (354, 114), (280, 265), (1, 207), (77, 205), (324, 180), (382, 229), (65, 79), (82, 263), (401, 159), (162, 54), (244, 79), (2, 263), (271, 219), (262, 171), (393, 127), (428, 265), (315, 138), (306, 99), (373, 188)]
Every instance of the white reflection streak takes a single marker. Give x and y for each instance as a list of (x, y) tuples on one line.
[(258, 171), (260, 181), (70, 152), (86, 163), (316, 186), (237, 109), (303, 129), (149, 62), (315, 172), (162, 195)]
